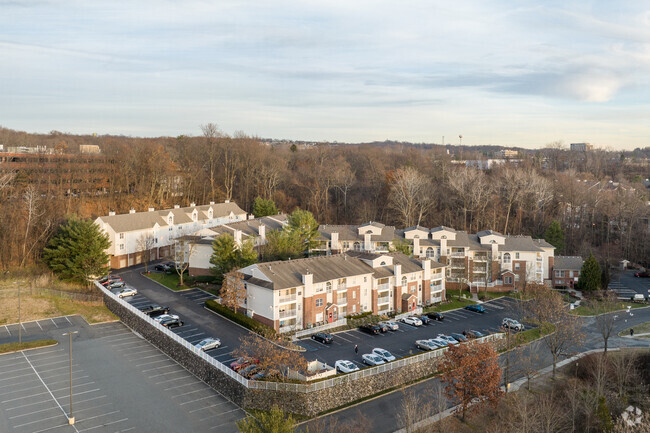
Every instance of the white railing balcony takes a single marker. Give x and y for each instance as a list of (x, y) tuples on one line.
[(342, 300), (383, 300), (479, 270), (285, 299), (457, 254), (342, 287), (480, 258), (383, 287), (461, 266), (287, 313)]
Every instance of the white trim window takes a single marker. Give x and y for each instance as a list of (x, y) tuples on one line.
[(506, 259)]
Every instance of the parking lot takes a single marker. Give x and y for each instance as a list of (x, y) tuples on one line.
[(120, 383), (402, 342), (626, 285)]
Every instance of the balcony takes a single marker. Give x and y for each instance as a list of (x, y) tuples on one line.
[(341, 300), (457, 254), (287, 313), (342, 287), (383, 300), (480, 258), (455, 266), (383, 287), (285, 299), (479, 271)]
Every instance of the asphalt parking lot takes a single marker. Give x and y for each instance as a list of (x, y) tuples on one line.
[(120, 383), (626, 285), (402, 342)]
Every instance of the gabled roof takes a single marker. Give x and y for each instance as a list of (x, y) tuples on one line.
[(350, 233), (468, 240), (374, 224), (488, 233), (424, 229), (251, 227), (571, 263), (519, 243), (542, 243), (407, 296), (441, 228)]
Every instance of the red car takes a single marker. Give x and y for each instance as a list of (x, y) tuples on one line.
[(243, 362), (645, 274)]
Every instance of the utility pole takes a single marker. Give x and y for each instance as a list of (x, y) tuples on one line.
[(70, 416), (507, 373)]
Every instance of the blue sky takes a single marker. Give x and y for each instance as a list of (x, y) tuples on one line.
[(515, 73)]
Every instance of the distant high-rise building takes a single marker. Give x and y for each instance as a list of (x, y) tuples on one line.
[(581, 147)]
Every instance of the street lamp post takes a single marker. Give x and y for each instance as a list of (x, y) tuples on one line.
[(70, 416), (20, 325)]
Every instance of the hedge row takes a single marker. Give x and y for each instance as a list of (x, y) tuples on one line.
[(242, 319)]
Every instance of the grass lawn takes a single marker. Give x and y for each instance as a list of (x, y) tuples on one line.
[(593, 308), (14, 347), (451, 304), (168, 280), (642, 328), (533, 334)]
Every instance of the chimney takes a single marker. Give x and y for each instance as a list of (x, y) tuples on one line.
[(366, 241), (426, 267), (308, 281), (335, 241), (262, 232), (495, 251), (177, 206), (132, 210), (416, 247), (192, 204), (111, 213), (226, 201), (151, 209), (238, 234), (211, 202), (397, 270), (251, 216), (443, 247)]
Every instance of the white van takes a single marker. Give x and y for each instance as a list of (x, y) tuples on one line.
[(639, 297)]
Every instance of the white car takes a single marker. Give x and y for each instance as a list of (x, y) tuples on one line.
[(344, 366), (425, 345), (438, 342), (512, 324), (165, 316), (393, 326), (412, 320), (372, 359), (447, 338), (127, 291), (208, 343), (383, 354)]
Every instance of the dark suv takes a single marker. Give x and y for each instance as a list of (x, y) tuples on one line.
[(153, 310), (322, 337), (171, 322), (436, 316), (370, 329)]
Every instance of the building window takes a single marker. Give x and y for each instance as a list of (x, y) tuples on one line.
[(430, 253), (516, 255), (357, 246), (319, 302), (365, 279), (516, 266), (170, 220), (516, 277), (507, 280), (121, 246), (404, 281), (354, 295), (121, 235), (506, 259), (354, 308), (346, 245), (328, 286)]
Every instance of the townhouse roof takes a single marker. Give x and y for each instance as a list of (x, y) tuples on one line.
[(288, 274), (488, 233), (182, 215), (542, 243), (424, 229), (374, 224), (407, 296), (519, 243), (572, 263), (408, 264), (251, 227), (441, 228), (463, 239), (350, 233)]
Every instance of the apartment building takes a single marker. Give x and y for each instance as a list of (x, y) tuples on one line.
[(483, 260), (566, 271), (298, 294), (253, 228), (135, 235)]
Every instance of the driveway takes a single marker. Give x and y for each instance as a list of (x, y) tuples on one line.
[(626, 285)]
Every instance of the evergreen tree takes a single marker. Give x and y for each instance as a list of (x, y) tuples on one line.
[(554, 235), (226, 255), (403, 246), (77, 251), (273, 421), (262, 207), (303, 225), (590, 275), (282, 245)]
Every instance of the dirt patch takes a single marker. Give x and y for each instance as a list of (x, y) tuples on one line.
[(43, 307)]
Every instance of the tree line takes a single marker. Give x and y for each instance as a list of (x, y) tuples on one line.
[(346, 184)]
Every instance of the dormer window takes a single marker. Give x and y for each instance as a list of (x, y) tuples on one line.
[(195, 215), (382, 264), (404, 281), (210, 213), (416, 237), (170, 220), (443, 237)]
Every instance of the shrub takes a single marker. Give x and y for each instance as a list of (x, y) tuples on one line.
[(239, 318)]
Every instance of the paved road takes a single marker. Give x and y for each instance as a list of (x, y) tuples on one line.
[(402, 342), (383, 411), (120, 383), (626, 285)]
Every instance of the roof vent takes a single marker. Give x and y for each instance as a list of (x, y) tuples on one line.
[(151, 209), (132, 210), (192, 204), (177, 206), (111, 213), (211, 202), (226, 201)]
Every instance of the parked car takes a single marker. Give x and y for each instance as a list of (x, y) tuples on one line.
[(208, 344), (127, 291), (512, 324), (109, 278), (447, 338), (242, 362), (412, 320), (644, 274), (473, 334), (383, 354), (161, 267), (370, 329), (424, 319), (392, 326), (165, 316), (249, 370), (382, 327), (439, 342), (638, 298), (171, 322), (436, 316), (154, 310), (475, 308), (322, 337), (372, 359), (115, 285), (425, 345), (344, 366), (458, 337), (258, 375)]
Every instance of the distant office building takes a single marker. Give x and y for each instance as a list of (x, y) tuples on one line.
[(581, 147), (89, 148), (507, 153)]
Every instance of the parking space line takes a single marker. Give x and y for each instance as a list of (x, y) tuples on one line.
[(54, 323), (198, 399), (179, 386), (158, 368), (15, 377), (90, 399), (28, 404), (208, 407), (171, 380), (152, 362), (165, 374), (191, 392), (23, 397), (38, 420), (194, 335), (43, 382), (30, 413), (8, 330), (223, 413), (342, 338), (128, 342)]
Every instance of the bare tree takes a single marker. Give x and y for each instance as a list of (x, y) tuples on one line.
[(145, 244), (605, 322), (233, 291), (409, 196), (183, 249), (33, 211), (414, 408)]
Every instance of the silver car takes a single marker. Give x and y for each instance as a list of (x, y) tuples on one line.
[(208, 343)]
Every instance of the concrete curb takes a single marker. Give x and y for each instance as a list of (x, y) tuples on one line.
[(31, 348)]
